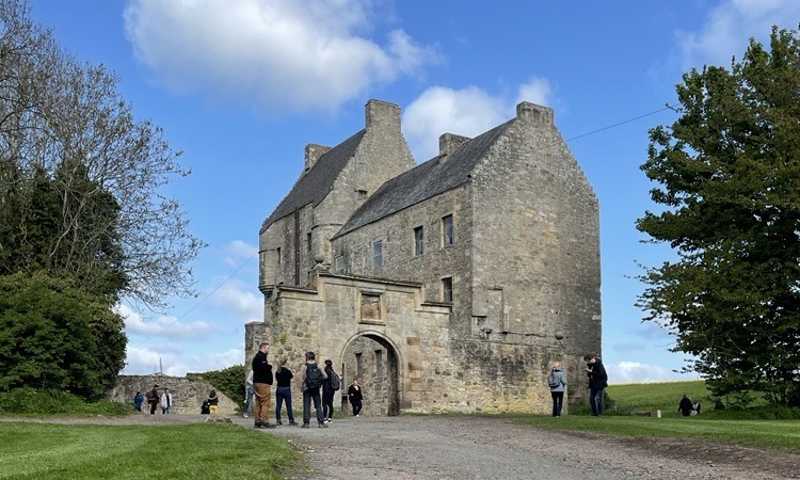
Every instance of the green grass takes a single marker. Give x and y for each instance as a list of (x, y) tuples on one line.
[(634, 415), (784, 434), (200, 451), (27, 401)]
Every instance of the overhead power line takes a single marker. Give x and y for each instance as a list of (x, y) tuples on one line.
[(624, 122)]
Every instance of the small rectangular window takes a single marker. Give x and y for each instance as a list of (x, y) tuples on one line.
[(308, 242), (448, 236), (379, 365), (377, 254), (359, 366), (362, 194), (278, 252), (447, 289), (419, 241)]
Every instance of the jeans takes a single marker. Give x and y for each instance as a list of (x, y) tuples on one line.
[(308, 396), (248, 400), (283, 394), (596, 401), (165, 410), (153, 407), (558, 402), (327, 403), (356, 404)]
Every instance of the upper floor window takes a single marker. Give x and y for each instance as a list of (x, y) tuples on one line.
[(447, 289), (419, 241), (448, 235), (278, 252), (377, 253), (308, 242)]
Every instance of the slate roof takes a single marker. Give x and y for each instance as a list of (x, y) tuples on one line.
[(314, 186), (424, 181)]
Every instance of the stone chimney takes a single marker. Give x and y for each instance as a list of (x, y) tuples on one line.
[(312, 153), (449, 142), (534, 114), (382, 115)]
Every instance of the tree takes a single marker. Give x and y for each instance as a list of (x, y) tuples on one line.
[(729, 183), (65, 124), (56, 336)]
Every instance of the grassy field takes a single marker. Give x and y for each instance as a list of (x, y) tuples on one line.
[(196, 452), (634, 402)]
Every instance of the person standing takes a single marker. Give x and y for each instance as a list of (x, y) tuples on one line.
[(249, 393), (138, 401), (598, 381), (685, 406), (558, 383), (312, 381), (330, 385), (284, 393), (356, 397), (152, 398), (262, 384), (166, 402), (213, 402)]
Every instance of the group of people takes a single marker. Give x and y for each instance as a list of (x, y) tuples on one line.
[(598, 381), (318, 385), (154, 399)]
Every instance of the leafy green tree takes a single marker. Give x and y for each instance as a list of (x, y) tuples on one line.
[(56, 336), (728, 174)]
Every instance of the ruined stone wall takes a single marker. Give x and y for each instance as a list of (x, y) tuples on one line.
[(187, 395), (536, 262)]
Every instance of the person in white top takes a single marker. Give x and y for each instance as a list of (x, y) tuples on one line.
[(166, 402)]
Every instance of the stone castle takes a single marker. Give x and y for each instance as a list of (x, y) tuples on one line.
[(445, 286)]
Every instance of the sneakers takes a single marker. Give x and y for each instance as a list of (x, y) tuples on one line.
[(322, 425), (267, 425), (305, 425), (293, 424), (278, 422)]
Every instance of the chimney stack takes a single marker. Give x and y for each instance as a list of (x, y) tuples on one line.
[(382, 115), (449, 142), (312, 154), (535, 114)]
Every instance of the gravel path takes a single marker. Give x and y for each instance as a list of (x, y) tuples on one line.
[(411, 447)]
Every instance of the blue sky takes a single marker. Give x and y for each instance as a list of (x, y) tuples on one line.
[(240, 87)]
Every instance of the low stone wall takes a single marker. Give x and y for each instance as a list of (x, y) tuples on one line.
[(187, 395)]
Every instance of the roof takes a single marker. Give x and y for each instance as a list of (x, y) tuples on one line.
[(424, 181), (314, 185)]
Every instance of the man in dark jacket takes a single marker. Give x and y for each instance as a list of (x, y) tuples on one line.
[(262, 384), (152, 399), (356, 397), (312, 381), (598, 381), (685, 406)]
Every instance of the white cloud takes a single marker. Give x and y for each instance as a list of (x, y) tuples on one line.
[(145, 360), (468, 111), (730, 25), (161, 325), (239, 251), (247, 303), (305, 55), (636, 372)]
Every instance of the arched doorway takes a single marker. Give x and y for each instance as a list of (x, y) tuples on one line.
[(374, 360)]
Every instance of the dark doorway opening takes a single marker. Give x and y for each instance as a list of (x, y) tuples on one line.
[(374, 362)]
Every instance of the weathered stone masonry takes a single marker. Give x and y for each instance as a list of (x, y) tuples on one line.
[(341, 263)]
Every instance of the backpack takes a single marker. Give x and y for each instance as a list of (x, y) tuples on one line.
[(336, 383), (553, 381), (313, 376)]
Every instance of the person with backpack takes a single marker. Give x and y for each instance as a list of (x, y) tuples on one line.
[(138, 401), (284, 393), (329, 387), (598, 381), (262, 384), (356, 396), (557, 381), (312, 381)]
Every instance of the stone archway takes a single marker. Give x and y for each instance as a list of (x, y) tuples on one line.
[(375, 361)]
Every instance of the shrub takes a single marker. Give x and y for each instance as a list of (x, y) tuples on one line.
[(29, 401), (54, 336), (229, 381)]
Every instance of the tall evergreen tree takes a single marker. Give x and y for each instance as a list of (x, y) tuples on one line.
[(728, 174)]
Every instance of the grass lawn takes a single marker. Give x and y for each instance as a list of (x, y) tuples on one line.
[(134, 452), (783, 434)]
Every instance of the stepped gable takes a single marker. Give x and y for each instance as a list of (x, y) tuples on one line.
[(437, 175), (314, 185)]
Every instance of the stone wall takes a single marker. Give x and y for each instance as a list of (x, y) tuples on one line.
[(187, 395)]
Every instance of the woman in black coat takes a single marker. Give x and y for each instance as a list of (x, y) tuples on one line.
[(356, 397)]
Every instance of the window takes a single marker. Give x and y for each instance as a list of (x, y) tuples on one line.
[(359, 366), (419, 241), (379, 365), (448, 237), (447, 289), (362, 194), (339, 265), (377, 254), (278, 252), (308, 242), (370, 306)]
